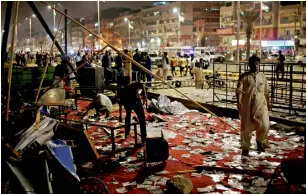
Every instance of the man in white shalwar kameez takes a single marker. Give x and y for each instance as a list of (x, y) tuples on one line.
[(253, 105)]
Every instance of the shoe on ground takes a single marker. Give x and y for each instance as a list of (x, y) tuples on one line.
[(260, 147), (245, 153)]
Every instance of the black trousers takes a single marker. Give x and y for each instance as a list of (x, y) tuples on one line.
[(137, 107), (173, 71), (141, 76), (281, 68)]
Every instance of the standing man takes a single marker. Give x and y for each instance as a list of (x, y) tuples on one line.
[(149, 67), (130, 98), (127, 65), (280, 65), (135, 69), (173, 64), (61, 70), (165, 62), (107, 64), (119, 65), (253, 104)]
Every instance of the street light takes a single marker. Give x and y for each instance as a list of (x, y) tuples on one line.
[(128, 21), (54, 16), (30, 24), (176, 10)]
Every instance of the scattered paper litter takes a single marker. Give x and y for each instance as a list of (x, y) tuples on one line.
[(206, 189), (221, 187), (121, 190)]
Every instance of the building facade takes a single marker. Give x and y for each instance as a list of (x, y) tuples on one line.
[(277, 24)]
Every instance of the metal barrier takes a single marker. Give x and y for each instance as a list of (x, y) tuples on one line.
[(288, 95)]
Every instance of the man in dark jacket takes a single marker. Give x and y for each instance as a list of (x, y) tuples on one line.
[(280, 65), (61, 70), (119, 65), (129, 97), (107, 64), (149, 67)]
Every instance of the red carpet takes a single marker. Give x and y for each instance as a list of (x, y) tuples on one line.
[(194, 131)]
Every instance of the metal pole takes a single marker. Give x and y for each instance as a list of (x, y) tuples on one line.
[(178, 28), (141, 67), (129, 33), (5, 33), (238, 31), (30, 23), (54, 17), (260, 29), (66, 34), (99, 27), (11, 61)]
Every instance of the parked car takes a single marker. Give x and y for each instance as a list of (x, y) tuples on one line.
[(217, 57), (155, 59), (301, 60)]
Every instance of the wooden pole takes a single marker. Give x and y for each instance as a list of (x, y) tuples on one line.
[(45, 70), (141, 67), (11, 60)]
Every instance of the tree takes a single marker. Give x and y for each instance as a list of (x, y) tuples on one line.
[(249, 17), (139, 25), (42, 41)]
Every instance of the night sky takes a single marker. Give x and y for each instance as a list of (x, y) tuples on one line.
[(74, 8)]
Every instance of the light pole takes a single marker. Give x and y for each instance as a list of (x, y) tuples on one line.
[(128, 21), (30, 25), (175, 10), (54, 17), (98, 2), (260, 20)]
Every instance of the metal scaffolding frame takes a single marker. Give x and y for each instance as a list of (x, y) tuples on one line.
[(287, 95)]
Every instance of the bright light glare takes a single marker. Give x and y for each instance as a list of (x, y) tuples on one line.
[(175, 10), (90, 34), (55, 29), (49, 6), (125, 19), (33, 15)]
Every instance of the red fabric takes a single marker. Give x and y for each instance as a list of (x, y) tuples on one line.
[(183, 164)]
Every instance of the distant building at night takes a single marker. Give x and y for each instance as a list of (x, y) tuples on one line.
[(276, 24)]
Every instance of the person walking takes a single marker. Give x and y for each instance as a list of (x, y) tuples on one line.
[(181, 65), (165, 62), (253, 104), (280, 65), (173, 65)]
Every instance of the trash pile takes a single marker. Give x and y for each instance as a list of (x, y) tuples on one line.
[(204, 150), (164, 105)]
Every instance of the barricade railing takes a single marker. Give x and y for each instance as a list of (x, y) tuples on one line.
[(288, 94)]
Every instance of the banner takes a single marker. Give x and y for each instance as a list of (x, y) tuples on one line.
[(223, 31)]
